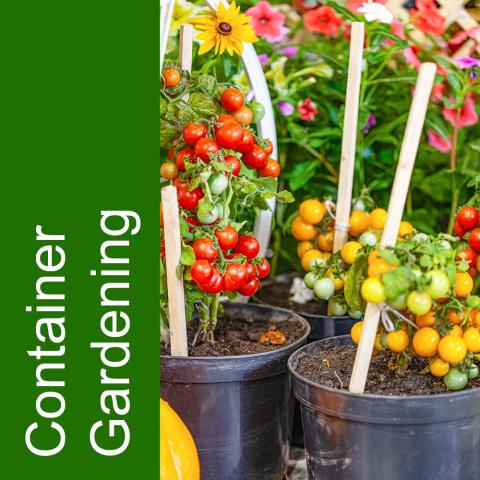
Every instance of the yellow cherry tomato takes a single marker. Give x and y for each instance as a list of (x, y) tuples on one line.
[(356, 331), (339, 282), (406, 228), (372, 256), (472, 339), (425, 342), (452, 349), (378, 217), (325, 241), (379, 266), (359, 223), (463, 284), (308, 257), (168, 170), (303, 231), (373, 290), (456, 331), (426, 320), (304, 247), (397, 341), (477, 319), (454, 318), (312, 211), (438, 368), (350, 251)]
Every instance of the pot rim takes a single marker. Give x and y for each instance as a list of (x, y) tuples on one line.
[(297, 342), (371, 396)]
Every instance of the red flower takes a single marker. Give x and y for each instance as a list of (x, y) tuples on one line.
[(428, 19), (467, 116), (308, 110), (322, 20), (438, 142), (438, 91)]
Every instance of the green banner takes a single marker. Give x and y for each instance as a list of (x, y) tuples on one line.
[(80, 239)]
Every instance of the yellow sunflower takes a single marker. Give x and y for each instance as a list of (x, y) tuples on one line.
[(225, 29)]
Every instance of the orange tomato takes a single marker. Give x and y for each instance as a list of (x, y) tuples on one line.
[(359, 223), (356, 331), (372, 256), (406, 228), (171, 77), (438, 368), (456, 331), (312, 211), (303, 247), (308, 257), (463, 284), (379, 266), (397, 341), (427, 320), (425, 342), (455, 318), (472, 339), (452, 349), (378, 217), (325, 241), (168, 170), (303, 231), (350, 252)]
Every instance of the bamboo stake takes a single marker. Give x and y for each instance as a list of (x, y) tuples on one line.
[(186, 44), (349, 141), (396, 205), (173, 250)]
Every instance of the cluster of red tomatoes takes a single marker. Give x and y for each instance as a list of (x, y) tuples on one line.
[(228, 263), (467, 226)]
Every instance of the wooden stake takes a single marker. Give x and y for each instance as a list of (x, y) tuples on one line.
[(173, 250), (349, 142), (186, 43), (408, 153)]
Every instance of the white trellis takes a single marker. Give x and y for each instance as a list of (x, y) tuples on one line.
[(454, 11), (259, 91)]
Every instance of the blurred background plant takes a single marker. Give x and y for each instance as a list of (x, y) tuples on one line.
[(303, 49)]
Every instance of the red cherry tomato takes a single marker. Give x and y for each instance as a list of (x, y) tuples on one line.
[(474, 240), (247, 246), (251, 271), (171, 154), (201, 271), (186, 199), (232, 99), (205, 249), (215, 285), (229, 135), (247, 142), (458, 230), (468, 255), (223, 119), (235, 276), (249, 288), (255, 158), (185, 154), (263, 269), (234, 163), (227, 238), (204, 147), (193, 132), (467, 217), (271, 169), (269, 148)]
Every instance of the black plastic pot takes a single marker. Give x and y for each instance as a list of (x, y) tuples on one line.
[(239, 409), (375, 437), (322, 326)]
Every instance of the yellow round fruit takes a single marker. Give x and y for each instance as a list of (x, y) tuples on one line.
[(378, 218), (463, 284), (373, 290), (397, 341), (337, 281), (378, 267), (356, 331), (472, 339), (359, 223), (425, 342), (312, 211), (426, 320), (304, 247), (456, 331), (303, 231), (178, 454), (350, 251), (325, 241), (438, 368), (308, 257), (452, 349), (372, 256), (406, 228)]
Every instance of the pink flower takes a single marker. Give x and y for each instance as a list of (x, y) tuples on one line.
[(354, 5), (322, 20), (442, 144), (267, 21), (411, 57), (438, 91), (467, 117), (308, 110), (398, 29)]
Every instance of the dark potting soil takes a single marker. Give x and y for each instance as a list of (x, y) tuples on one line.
[(235, 336), (333, 367), (278, 294)]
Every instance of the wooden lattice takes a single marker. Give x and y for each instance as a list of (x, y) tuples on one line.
[(455, 13)]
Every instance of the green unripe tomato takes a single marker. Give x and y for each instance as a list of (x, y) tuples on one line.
[(310, 279), (455, 379), (324, 288), (316, 262), (258, 111), (421, 238), (218, 183), (419, 303), (472, 372), (209, 217), (359, 205), (368, 239), (336, 308), (439, 284), (355, 314), (398, 303)]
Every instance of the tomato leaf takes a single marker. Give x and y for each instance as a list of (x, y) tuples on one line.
[(188, 256), (353, 283)]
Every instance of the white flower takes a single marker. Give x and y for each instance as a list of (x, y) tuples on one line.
[(300, 293), (376, 11)]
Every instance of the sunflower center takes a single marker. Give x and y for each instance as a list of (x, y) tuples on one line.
[(224, 28)]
